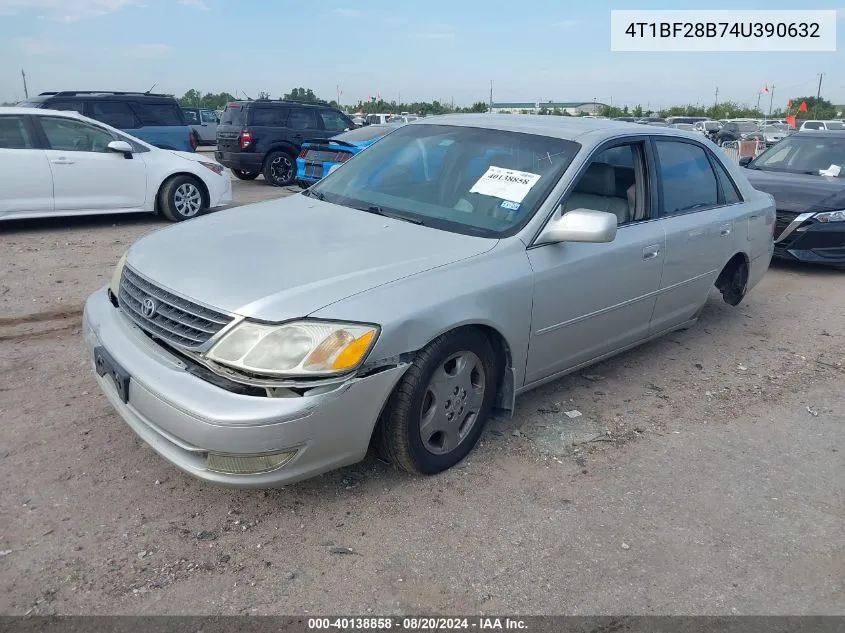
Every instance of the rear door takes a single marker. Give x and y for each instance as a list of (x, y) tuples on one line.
[(699, 223), (87, 176), (208, 126), (27, 181), (305, 125)]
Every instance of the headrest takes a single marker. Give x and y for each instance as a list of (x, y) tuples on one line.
[(599, 180)]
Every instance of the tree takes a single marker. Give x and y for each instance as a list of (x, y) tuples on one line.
[(302, 94), (478, 106), (637, 112), (193, 99), (816, 108)]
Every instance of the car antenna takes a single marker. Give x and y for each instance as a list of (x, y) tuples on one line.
[(248, 98), (151, 88)]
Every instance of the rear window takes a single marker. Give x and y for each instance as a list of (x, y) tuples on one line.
[(191, 116), (233, 115), (158, 113), (115, 113)]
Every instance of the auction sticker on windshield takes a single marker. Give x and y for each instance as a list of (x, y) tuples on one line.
[(506, 184)]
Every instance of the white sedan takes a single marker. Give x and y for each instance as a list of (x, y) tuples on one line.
[(55, 163)]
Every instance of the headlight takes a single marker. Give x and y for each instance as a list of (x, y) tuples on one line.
[(217, 168), (114, 284), (830, 216), (295, 349)]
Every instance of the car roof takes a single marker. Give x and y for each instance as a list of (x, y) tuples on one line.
[(567, 128), (280, 102)]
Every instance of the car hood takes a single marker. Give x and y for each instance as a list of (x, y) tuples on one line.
[(799, 193), (288, 258)]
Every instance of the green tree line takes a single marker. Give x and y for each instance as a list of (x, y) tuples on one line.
[(816, 108)]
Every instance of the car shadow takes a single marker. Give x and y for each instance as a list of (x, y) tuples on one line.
[(806, 268), (82, 222)]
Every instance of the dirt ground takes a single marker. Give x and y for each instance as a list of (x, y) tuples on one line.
[(704, 476)]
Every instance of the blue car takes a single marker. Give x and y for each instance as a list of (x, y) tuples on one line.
[(154, 118), (318, 158)]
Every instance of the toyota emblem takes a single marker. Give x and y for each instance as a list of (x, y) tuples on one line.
[(148, 308)]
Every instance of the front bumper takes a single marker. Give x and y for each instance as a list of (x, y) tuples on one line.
[(808, 240), (183, 417), (221, 194)]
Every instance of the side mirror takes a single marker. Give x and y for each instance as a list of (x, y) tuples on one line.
[(580, 225), (743, 162), (121, 147)]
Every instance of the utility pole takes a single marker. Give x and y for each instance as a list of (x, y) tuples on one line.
[(491, 95), (25, 91), (716, 99), (819, 92)]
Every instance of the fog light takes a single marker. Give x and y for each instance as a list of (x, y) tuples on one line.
[(247, 464)]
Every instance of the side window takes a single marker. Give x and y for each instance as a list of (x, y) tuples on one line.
[(74, 136), (334, 121), (75, 105), (686, 177), (729, 190), (191, 117), (302, 119), (115, 113), (158, 114), (813, 126), (208, 116), (13, 133), (271, 116), (614, 182)]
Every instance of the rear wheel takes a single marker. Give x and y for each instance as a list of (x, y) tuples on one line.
[(733, 280), (242, 174), (181, 198), (440, 406), (279, 169)]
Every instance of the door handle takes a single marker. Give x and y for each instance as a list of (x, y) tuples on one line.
[(650, 252), (61, 161), (725, 229)]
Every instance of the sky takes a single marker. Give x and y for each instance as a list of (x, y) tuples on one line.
[(448, 50)]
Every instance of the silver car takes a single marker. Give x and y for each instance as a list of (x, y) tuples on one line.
[(457, 263)]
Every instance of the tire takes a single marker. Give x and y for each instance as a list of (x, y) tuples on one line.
[(279, 169), (181, 198), (454, 375), (242, 174), (733, 283)]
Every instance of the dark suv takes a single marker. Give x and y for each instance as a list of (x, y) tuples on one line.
[(154, 118), (265, 136)]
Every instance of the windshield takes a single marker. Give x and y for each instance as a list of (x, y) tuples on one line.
[(747, 126), (365, 133), (835, 125), (803, 155), (467, 180)]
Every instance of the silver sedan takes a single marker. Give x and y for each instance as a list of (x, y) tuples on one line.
[(455, 264)]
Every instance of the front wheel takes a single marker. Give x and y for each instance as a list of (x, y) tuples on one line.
[(279, 169), (242, 174), (181, 198), (440, 406)]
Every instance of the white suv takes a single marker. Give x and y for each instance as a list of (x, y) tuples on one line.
[(62, 163), (822, 125)]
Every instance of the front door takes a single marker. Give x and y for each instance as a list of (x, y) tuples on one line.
[(208, 126), (87, 175), (27, 182), (593, 299)]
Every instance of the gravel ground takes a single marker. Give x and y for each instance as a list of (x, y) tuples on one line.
[(704, 476)]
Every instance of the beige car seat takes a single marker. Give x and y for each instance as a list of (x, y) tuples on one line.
[(597, 190)]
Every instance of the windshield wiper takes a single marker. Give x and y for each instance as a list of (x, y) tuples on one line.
[(377, 210), (314, 194)]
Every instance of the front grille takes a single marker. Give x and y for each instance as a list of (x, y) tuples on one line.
[(783, 220), (174, 319)]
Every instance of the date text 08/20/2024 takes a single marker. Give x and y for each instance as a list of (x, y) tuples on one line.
[(415, 624)]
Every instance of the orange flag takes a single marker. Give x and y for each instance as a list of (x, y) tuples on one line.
[(802, 107), (791, 121), (789, 103)]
